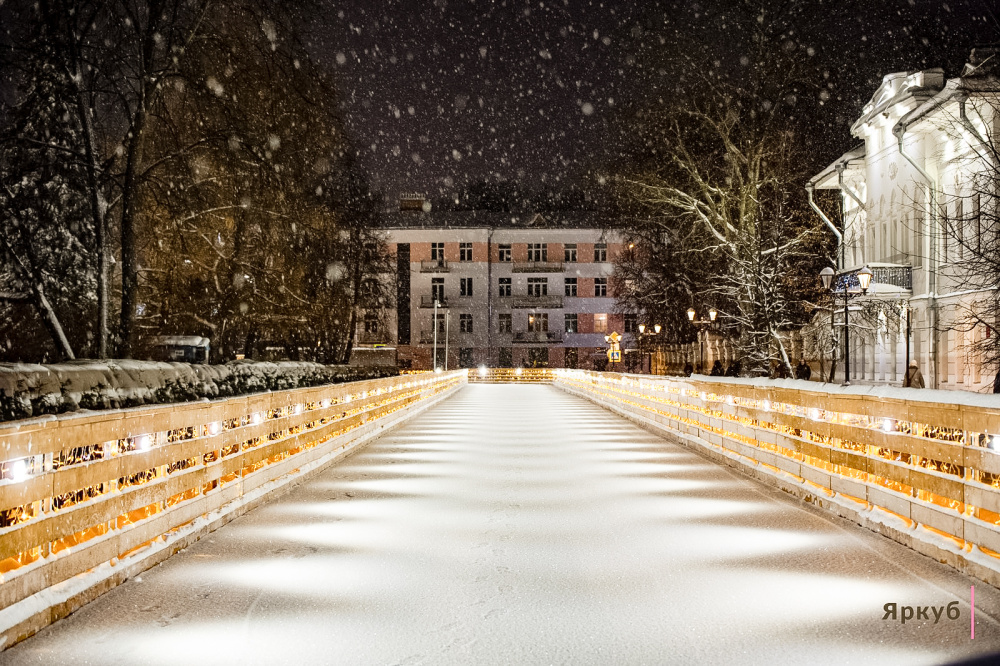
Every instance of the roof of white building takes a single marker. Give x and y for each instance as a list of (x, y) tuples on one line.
[(827, 178)]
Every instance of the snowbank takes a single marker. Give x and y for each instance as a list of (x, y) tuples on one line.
[(28, 390)]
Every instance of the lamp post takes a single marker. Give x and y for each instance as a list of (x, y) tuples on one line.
[(434, 364), (643, 334), (702, 325), (864, 281)]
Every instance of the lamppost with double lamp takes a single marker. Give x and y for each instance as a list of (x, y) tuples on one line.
[(643, 334), (864, 277), (702, 325)]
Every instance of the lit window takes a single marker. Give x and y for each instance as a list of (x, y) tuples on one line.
[(600, 323)]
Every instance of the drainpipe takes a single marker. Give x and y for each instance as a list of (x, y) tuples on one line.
[(967, 124), (932, 262), (840, 237)]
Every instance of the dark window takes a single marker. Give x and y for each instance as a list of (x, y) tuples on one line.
[(440, 323), (572, 357), (600, 286), (465, 251), (465, 357), (465, 286), (437, 289), (504, 249), (538, 252), (504, 322), (504, 287), (569, 252), (571, 323), (538, 286), (371, 323), (600, 251), (506, 357), (631, 324), (403, 293), (465, 323), (571, 286), (437, 251)]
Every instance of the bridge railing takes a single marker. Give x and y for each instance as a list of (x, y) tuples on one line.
[(930, 459), (511, 375), (84, 494)]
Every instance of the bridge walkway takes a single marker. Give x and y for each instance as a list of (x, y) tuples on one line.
[(517, 524)]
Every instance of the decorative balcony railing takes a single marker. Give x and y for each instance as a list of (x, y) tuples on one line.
[(895, 276), (428, 302), (547, 337), (434, 266), (540, 302), (537, 267)]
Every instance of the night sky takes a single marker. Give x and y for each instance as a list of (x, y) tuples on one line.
[(440, 93)]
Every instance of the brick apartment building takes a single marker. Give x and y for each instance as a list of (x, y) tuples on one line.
[(512, 290)]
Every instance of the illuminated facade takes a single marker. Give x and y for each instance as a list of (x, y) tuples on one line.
[(911, 198), (512, 290)]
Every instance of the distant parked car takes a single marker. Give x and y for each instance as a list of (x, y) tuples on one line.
[(180, 348)]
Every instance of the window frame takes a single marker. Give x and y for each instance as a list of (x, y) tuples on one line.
[(600, 287), (600, 253)]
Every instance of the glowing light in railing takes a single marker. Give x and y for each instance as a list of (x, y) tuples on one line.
[(814, 414), (214, 428), (704, 396), (766, 406), (887, 425), (437, 370), (482, 371), (325, 403), (348, 398), (18, 470), (518, 371), (144, 442), (296, 410), (994, 442), (257, 418)]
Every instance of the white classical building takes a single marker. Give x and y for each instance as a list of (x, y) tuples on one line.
[(912, 196)]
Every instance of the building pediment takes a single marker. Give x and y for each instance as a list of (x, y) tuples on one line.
[(900, 87)]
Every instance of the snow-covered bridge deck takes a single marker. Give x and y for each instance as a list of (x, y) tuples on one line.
[(517, 524)]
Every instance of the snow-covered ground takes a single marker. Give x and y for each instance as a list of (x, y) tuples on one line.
[(520, 525)]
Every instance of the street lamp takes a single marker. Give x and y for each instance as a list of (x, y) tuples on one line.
[(864, 281), (643, 334), (702, 325)]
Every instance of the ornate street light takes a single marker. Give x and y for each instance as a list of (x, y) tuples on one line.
[(864, 281), (644, 334), (702, 325)]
